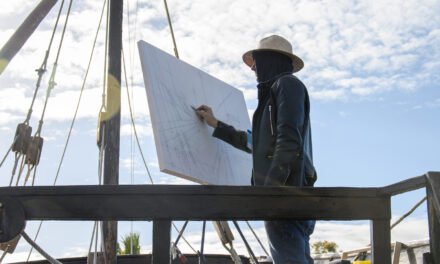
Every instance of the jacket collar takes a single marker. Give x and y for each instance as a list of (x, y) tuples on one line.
[(264, 87)]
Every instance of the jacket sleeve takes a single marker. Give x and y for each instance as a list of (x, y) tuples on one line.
[(232, 136), (290, 112)]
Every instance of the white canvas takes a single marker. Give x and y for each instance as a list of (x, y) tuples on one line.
[(184, 144)]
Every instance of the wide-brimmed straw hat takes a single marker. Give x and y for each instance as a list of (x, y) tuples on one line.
[(277, 44)]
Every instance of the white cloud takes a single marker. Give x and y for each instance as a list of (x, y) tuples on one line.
[(250, 94), (142, 131), (433, 104), (340, 42), (328, 94)]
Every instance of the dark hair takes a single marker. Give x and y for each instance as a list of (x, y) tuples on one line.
[(270, 64)]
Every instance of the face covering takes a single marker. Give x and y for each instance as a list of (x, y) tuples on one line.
[(270, 64)]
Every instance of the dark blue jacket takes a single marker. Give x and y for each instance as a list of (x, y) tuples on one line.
[(281, 135)]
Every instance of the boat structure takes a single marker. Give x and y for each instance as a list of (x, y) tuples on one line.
[(108, 199)]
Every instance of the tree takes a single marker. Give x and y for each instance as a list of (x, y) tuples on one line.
[(325, 246), (131, 245)]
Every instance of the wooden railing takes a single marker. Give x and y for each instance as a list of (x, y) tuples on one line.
[(165, 203)]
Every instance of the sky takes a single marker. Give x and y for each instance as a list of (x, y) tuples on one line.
[(371, 68)]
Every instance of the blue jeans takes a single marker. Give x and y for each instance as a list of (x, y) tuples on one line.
[(289, 241)]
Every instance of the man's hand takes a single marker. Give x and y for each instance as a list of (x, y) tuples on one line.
[(205, 113)]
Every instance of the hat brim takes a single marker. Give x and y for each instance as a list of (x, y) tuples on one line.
[(297, 62)]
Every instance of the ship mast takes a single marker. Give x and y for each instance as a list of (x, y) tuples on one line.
[(112, 120)]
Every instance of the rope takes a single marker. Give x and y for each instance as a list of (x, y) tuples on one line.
[(80, 94), (91, 240), (52, 82), (40, 73), (171, 29), (103, 102), (8, 151), (202, 245), (258, 239), (35, 239), (4, 253), (248, 247), (39, 249), (130, 57), (43, 66), (132, 120), (408, 213), (51, 86), (94, 236), (183, 238)]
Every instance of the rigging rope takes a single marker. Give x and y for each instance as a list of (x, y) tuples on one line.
[(39, 249), (80, 94), (36, 143), (248, 247), (103, 102), (171, 29), (132, 119), (52, 82), (258, 239), (4, 254), (183, 238), (131, 44), (408, 213), (40, 73)]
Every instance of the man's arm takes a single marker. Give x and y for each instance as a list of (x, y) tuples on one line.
[(236, 138), (287, 161), (223, 131)]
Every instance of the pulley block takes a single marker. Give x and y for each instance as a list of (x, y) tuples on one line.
[(22, 138), (34, 151)]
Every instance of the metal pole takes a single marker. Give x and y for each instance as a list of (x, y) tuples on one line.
[(113, 120), (24, 31)]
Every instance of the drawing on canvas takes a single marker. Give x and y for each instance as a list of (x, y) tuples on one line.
[(184, 144)]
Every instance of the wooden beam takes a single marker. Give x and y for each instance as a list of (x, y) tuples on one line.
[(405, 186), (380, 241), (188, 202), (161, 242), (433, 193), (24, 31)]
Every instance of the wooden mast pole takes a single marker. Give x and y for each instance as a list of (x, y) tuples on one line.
[(112, 121)]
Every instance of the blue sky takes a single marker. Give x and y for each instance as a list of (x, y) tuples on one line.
[(371, 69)]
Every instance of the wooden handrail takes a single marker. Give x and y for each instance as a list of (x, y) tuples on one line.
[(164, 203), (405, 186)]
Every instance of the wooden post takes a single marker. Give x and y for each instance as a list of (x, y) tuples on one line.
[(433, 192), (161, 242), (396, 253), (112, 120), (23, 32), (380, 241)]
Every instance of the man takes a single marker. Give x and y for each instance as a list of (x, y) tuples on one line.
[(281, 143)]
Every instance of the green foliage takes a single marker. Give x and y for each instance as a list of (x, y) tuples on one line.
[(129, 240), (324, 247)]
